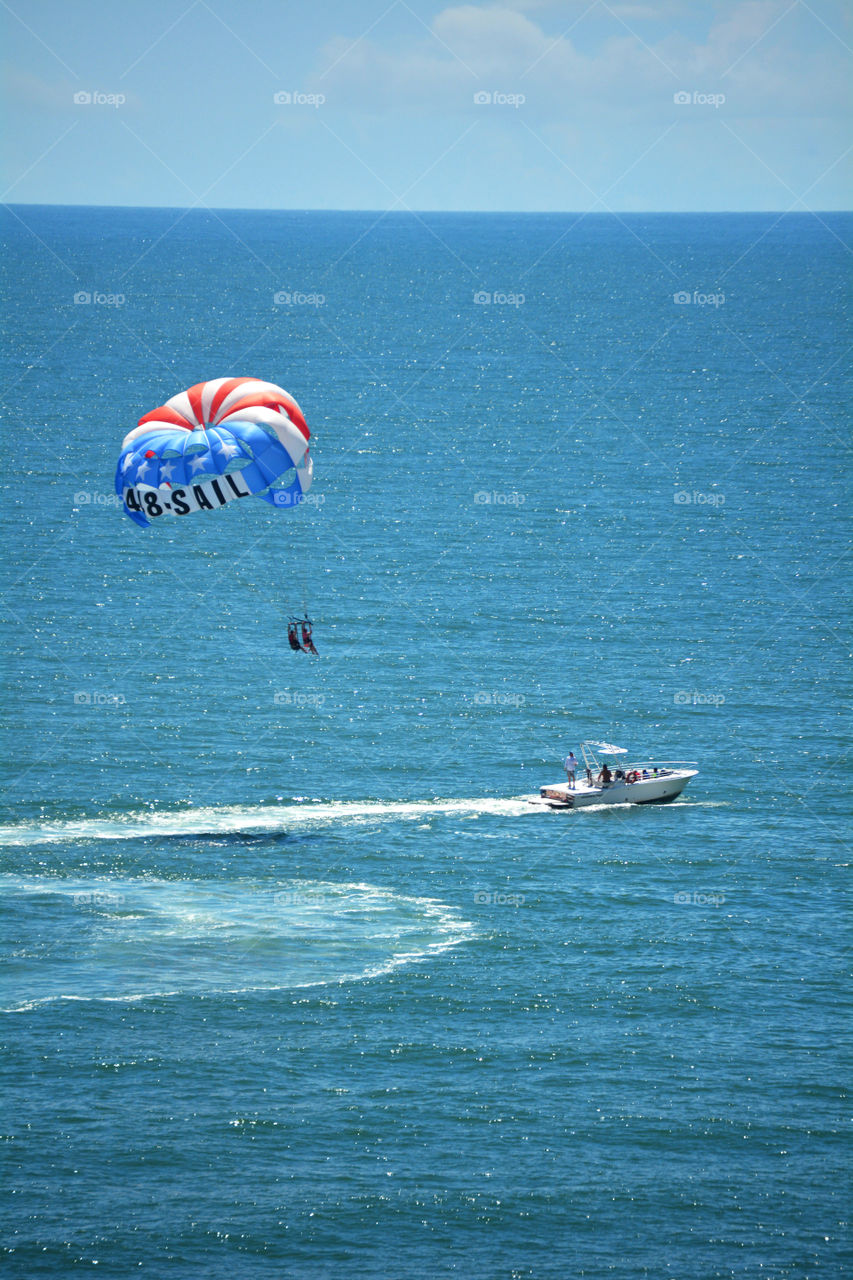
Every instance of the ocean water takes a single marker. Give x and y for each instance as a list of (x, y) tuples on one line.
[(296, 983)]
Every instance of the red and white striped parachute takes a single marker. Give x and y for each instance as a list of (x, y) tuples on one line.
[(220, 440)]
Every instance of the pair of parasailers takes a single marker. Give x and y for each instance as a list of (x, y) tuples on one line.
[(301, 643)]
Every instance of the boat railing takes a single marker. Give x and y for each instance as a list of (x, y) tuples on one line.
[(659, 764)]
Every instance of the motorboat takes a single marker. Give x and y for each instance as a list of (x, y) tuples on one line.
[(606, 778)]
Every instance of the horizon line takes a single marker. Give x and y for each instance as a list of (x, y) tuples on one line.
[(573, 213)]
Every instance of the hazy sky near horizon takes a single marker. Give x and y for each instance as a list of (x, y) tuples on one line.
[(355, 104)]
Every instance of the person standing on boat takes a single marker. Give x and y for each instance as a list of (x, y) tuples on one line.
[(570, 765)]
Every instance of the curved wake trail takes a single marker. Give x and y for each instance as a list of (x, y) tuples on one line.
[(127, 939)]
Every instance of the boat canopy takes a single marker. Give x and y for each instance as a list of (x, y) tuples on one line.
[(607, 749)]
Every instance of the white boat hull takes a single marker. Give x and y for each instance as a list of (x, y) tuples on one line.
[(658, 789)]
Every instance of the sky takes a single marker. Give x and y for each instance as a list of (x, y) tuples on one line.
[(527, 105)]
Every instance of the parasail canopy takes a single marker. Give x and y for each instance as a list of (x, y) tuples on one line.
[(220, 440)]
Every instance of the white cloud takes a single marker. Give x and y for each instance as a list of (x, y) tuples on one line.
[(492, 39), (753, 53), (57, 95)]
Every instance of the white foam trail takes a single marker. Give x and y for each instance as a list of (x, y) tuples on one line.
[(252, 819), (284, 818), (135, 939)]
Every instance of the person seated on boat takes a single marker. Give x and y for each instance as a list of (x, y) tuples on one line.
[(645, 773), (620, 775), (605, 777)]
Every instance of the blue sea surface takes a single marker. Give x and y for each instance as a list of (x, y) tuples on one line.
[(296, 982)]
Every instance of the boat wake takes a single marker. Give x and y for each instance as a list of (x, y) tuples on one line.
[(275, 819), (135, 939)]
